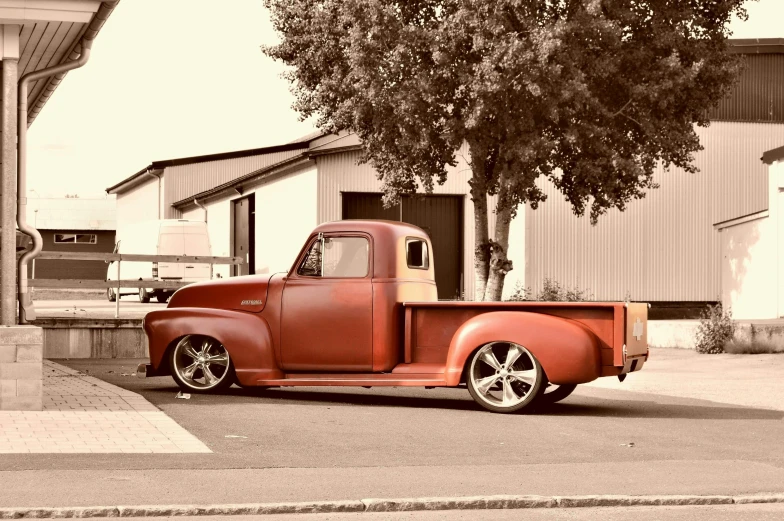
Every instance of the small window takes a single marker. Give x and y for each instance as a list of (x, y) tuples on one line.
[(416, 254), (342, 257), (75, 238)]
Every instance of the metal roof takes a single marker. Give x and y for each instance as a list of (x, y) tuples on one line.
[(159, 165), (77, 213), (50, 34)]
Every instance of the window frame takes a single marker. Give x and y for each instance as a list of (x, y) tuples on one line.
[(93, 238), (334, 235), (410, 239)]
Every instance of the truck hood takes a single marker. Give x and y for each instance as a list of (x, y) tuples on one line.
[(245, 293)]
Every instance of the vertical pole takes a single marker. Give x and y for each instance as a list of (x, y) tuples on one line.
[(8, 126), (210, 271), (117, 300)]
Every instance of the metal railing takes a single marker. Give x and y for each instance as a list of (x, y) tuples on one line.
[(120, 283)]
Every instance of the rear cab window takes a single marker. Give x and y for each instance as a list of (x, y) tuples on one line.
[(417, 255)]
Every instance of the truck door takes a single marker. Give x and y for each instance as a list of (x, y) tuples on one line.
[(327, 307)]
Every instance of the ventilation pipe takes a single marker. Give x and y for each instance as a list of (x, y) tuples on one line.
[(26, 310), (200, 205)]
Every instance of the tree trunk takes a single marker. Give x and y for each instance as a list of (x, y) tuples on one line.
[(482, 243), (500, 264)]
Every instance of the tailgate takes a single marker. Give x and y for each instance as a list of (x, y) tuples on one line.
[(635, 346)]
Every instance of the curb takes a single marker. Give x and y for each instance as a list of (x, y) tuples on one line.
[(385, 505)]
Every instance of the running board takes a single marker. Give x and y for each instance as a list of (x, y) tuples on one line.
[(359, 380)]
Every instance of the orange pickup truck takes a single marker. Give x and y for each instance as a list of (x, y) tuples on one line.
[(359, 308)]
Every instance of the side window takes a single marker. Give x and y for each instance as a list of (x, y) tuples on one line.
[(416, 254), (341, 257)]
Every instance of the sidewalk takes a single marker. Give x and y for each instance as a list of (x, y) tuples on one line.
[(748, 380), (83, 414)]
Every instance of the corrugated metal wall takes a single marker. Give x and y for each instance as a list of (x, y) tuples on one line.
[(187, 180), (759, 94), (664, 247)]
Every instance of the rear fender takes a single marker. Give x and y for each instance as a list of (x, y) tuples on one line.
[(568, 351), (246, 337)]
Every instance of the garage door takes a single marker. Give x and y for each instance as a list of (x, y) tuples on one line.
[(441, 216)]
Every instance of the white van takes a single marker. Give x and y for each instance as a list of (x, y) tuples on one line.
[(162, 237)]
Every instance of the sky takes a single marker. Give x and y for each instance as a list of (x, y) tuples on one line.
[(179, 78)]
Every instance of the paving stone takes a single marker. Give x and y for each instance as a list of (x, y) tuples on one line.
[(80, 417)]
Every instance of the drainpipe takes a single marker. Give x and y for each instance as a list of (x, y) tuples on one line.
[(200, 205), (26, 310), (153, 174)]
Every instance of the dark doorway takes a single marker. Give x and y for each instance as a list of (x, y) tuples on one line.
[(243, 234), (441, 216)]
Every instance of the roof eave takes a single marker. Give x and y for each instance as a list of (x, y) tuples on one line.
[(277, 168), (90, 33)]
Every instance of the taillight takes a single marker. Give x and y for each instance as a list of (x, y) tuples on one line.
[(155, 270)]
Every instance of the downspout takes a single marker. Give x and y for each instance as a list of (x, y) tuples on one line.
[(26, 310), (158, 177), (200, 205)]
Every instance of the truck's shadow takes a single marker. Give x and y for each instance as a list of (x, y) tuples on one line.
[(576, 406)]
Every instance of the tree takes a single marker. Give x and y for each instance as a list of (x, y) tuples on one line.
[(590, 94)]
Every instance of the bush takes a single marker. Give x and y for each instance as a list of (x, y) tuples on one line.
[(552, 291), (716, 329)]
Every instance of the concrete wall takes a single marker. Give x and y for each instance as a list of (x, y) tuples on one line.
[(285, 214), (21, 369), (748, 262), (96, 338), (139, 204)]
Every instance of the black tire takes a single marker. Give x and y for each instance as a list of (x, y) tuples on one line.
[(555, 393), (178, 353), (162, 297), (521, 380), (144, 297), (111, 295)]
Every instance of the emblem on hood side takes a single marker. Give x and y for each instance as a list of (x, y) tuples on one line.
[(251, 303)]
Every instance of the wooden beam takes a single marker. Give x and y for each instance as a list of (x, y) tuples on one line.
[(67, 255), (103, 284)]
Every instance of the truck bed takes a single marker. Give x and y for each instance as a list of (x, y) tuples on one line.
[(430, 327)]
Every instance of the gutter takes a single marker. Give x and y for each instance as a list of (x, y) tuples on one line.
[(107, 6), (76, 60)]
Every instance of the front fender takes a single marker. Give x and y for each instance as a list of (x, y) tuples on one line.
[(568, 351), (245, 336)]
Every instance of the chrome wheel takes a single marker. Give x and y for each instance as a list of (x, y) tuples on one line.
[(201, 363), (504, 377)]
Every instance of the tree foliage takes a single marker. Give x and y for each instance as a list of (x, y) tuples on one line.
[(590, 94)]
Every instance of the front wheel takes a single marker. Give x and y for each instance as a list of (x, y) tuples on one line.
[(144, 297), (201, 364), (111, 295), (504, 377)]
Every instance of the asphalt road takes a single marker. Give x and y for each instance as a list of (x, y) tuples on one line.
[(331, 443)]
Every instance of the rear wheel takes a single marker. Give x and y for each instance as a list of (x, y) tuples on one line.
[(162, 297), (201, 364), (504, 377), (555, 393)]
